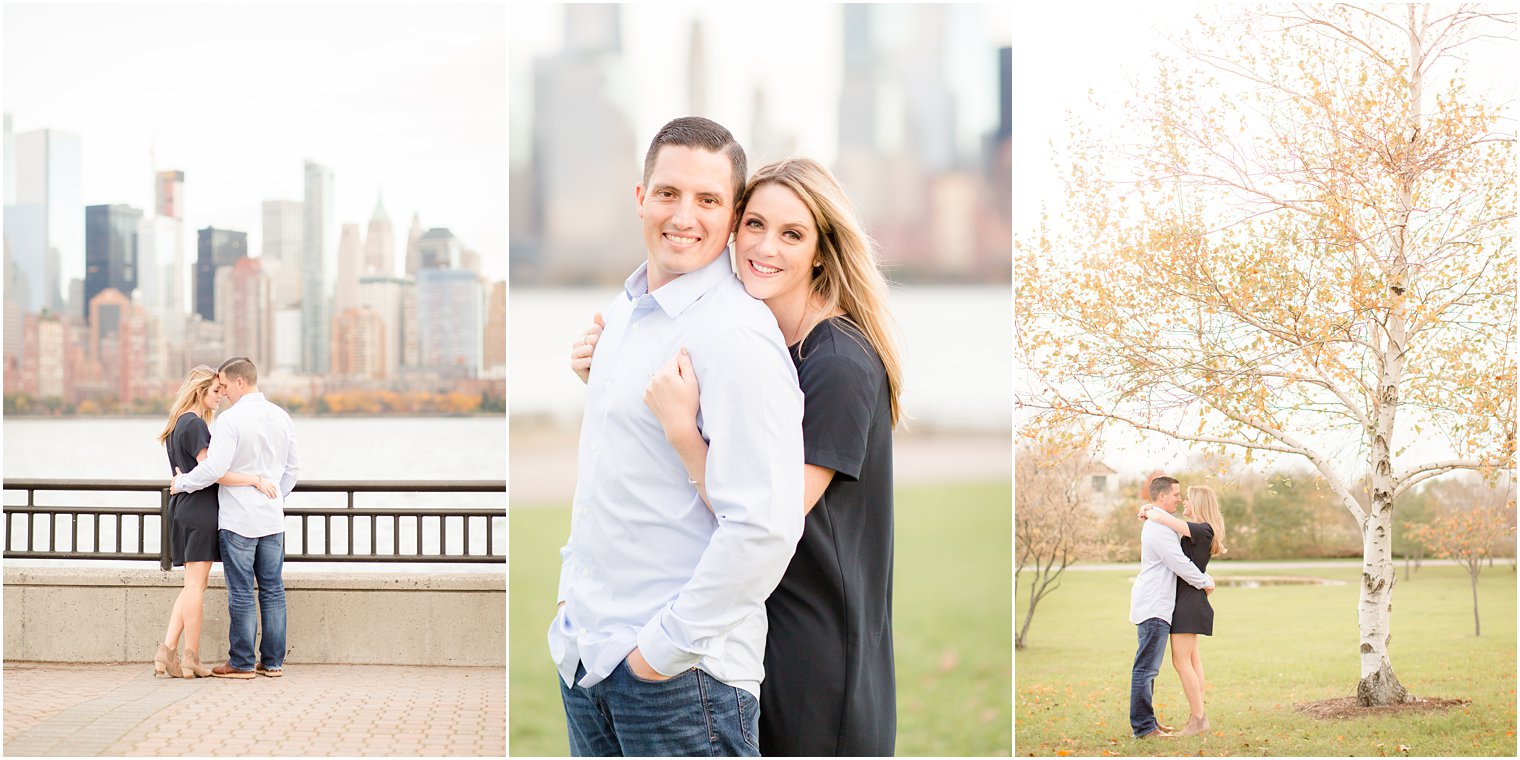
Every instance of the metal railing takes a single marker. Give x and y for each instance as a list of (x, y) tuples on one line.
[(119, 519)]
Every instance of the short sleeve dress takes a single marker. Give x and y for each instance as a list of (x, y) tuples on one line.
[(192, 516), (1193, 613), (830, 684)]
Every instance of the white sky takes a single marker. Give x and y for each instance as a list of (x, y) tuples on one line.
[(793, 50), (405, 100), (1064, 51)]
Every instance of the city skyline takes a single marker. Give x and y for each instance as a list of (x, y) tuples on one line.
[(419, 130), (799, 64), (907, 105)]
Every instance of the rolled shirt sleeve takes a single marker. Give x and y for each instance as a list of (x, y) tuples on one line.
[(752, 416)]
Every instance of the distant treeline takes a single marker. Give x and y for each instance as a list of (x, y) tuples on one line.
[(1296, 516), (358, 402)]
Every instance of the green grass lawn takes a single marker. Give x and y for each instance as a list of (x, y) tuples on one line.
[(951, 623), (1273, 647)]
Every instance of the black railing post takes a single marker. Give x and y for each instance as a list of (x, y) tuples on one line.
[(164, 561)]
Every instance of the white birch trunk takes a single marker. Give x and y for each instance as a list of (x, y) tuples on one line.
[(1378, 684)]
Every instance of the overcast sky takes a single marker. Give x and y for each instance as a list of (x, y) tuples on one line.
[(1062, 53), (793, 50), (405, 100)]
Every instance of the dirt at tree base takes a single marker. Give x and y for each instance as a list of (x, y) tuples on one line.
[(1347, 707)]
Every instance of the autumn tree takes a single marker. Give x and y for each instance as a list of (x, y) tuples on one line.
[(1468, 535), (1053, 518), (1295, 240)]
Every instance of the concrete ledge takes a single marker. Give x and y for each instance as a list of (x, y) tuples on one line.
[(116, 615)]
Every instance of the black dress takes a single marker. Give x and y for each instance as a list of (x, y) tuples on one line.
[(1193, 613), (830, 684), (192, 516)]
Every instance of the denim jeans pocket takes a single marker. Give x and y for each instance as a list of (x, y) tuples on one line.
[(635, 677), (749, 718)]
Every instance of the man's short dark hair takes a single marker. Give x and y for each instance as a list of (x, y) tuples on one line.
[(697, 132), (1162, 484), (239, 366)]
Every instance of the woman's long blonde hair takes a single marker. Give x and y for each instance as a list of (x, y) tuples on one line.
[(850, 277), (1206, 507), (189, 397)]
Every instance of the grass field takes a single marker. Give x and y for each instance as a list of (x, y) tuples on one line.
[(1273, 647), (951, 623)]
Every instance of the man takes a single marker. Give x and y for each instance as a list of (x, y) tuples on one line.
[(1152, 599), (253, 436), (660, 636)]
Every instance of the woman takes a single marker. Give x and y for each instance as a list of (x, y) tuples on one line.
[(192, 523), (829, 679), (1202, 537)]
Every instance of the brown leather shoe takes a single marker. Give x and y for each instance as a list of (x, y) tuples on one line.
[(227, 671), (271, 672), (1156, 734)]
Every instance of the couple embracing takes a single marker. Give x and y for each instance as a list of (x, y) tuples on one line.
[(727, 585), (1170, 599), (227, 505)]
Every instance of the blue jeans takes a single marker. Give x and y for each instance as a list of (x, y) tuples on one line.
[(1142, 681), (245, 560), (691, 715)]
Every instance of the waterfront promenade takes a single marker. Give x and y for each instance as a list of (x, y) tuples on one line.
[(79, 709)]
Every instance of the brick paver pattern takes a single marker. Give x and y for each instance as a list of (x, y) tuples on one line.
[(314, 710)]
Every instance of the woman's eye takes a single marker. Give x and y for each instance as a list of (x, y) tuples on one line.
[(792, 235), (753, 224)]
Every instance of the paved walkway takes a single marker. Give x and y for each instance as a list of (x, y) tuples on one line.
[(325, 710)]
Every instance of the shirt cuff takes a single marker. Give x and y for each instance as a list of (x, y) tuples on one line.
[(660, 652)]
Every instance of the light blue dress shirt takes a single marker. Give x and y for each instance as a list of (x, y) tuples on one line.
[(647, 563)]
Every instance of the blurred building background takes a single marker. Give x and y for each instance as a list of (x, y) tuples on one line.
[(922, 149)]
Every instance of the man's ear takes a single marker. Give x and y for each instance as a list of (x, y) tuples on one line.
[(638, 198)]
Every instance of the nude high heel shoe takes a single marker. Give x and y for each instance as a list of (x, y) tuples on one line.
[(164, 662), (190, 664), (1196, 726)]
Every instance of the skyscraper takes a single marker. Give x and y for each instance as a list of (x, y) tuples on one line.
[(450, 321), (119, 338), (214, 249), (379, 244), (494, 349), (10, 161), (696, 72), (394, 300), (282, 250), (316, 268), (350, 251), (413, 255), (44, 366), (245, 309), (165, 293), (579, 121), (438, 249), (111, 236), (359, 345), (44, 217)]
